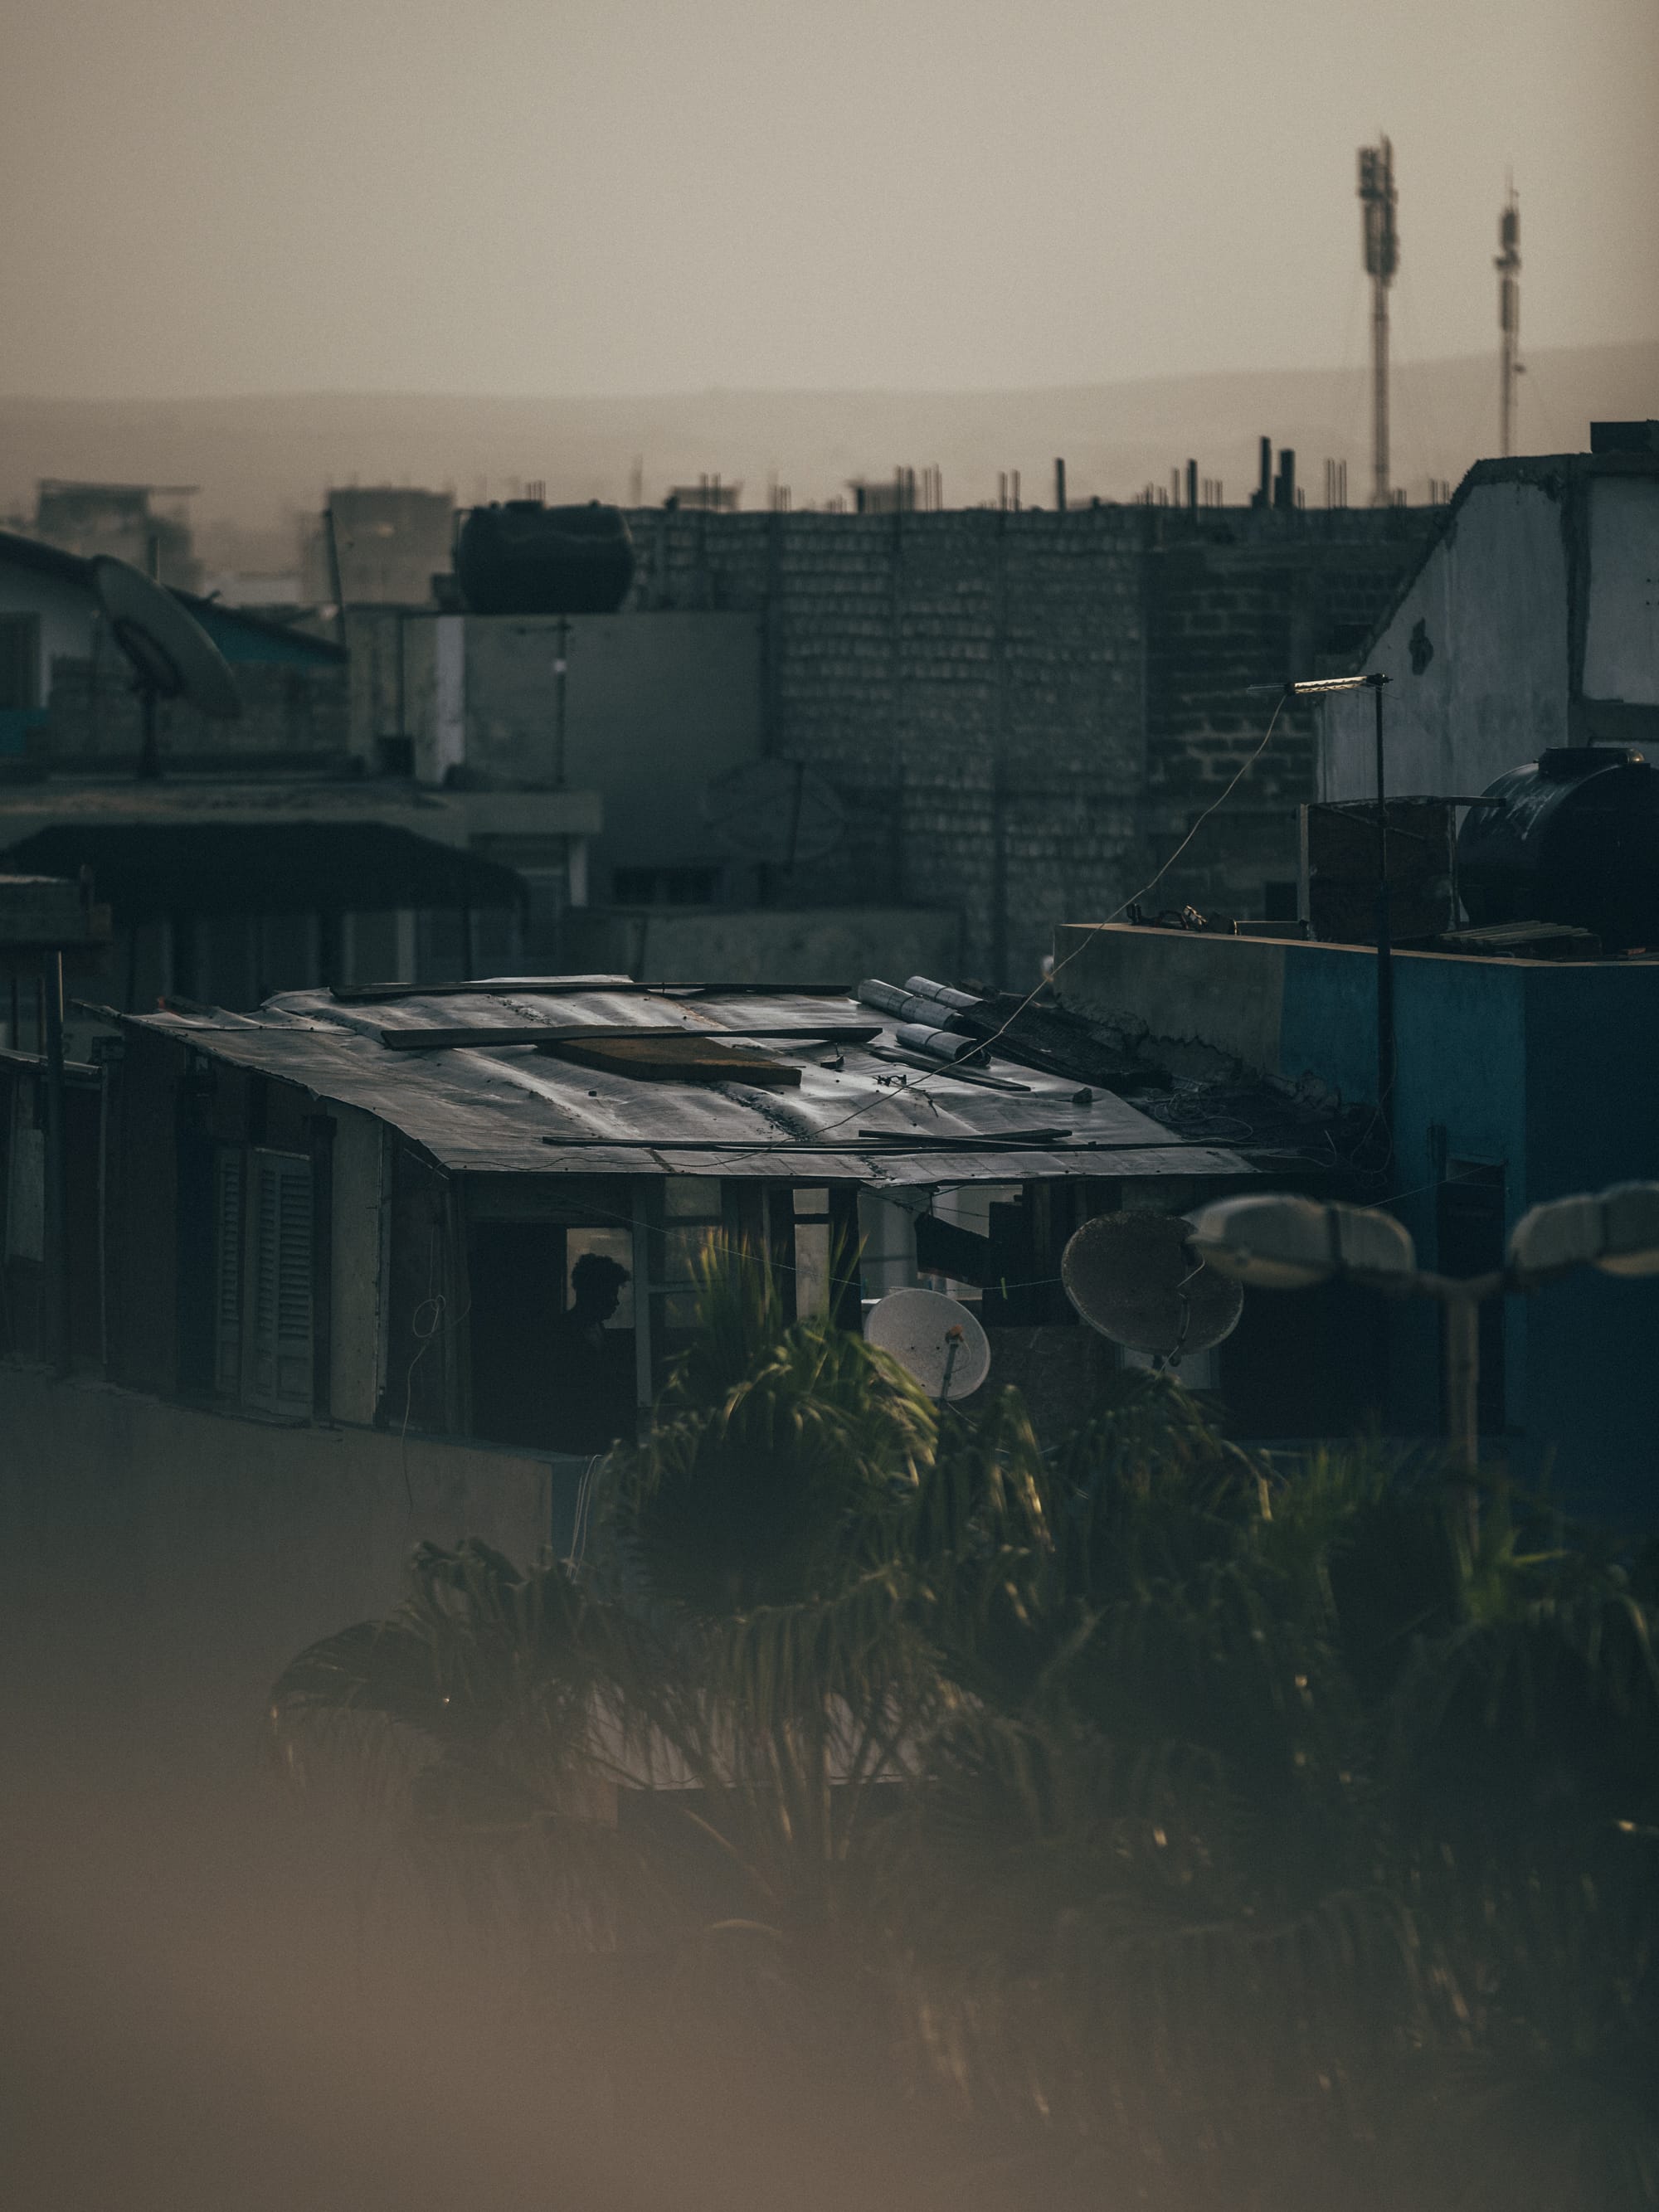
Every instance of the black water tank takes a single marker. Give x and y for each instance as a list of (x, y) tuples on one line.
[(1571, 837), (522, 558)]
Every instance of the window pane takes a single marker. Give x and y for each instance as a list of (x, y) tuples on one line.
[(616, 1244), (813, 1198), (812, 1267), (684, 1251)]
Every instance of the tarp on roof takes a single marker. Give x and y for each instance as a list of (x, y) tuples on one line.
[(516, 1109)]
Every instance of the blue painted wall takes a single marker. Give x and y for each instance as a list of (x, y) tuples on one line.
[(241, 639), (1552, 1073)]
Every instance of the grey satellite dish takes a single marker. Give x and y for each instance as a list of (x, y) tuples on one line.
[(934, 1338), (171, 655), (776, 812), (1131, 1276)]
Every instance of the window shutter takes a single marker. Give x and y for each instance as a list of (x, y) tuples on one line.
[(227, 1181), (280, 1352)]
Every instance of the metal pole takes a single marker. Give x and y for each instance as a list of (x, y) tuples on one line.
[(1508, 266), (1382, 259), (1384, 949), (149, 750), (1380, 463), (1463, 1343), (560, 665), (57, 1192), (1462, 1339), (103, 1213), (334, 574)]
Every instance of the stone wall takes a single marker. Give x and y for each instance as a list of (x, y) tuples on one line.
[(1025, 714)]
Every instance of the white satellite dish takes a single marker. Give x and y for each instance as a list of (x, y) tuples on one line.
[(935, 1338), (1133, 1277), (776, 812), (171, 655)]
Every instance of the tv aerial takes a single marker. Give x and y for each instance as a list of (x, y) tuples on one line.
[(1131, 1276), (933, 1338), (776, 812), (171, 655)]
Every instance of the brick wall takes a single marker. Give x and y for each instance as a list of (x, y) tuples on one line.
[(970, 682), (1025, 714), (1233, 600), (291, 712)]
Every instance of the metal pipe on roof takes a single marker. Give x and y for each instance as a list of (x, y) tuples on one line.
[(936, 1043), (923, 986), (905, 1006)]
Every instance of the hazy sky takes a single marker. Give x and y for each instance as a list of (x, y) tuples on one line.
[(207, 196)]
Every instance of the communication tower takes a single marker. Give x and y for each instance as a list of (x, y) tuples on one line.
[(1508, 266), (1382, 242)]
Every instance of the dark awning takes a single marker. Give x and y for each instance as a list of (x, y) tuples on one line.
[(147, 870)]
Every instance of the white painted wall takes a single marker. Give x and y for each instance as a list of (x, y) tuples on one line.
[(1621, 634), (1492, 600), (449, 699)]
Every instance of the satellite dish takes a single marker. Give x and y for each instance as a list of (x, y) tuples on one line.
[(934, 1338), (777, 812), (172, 656), (1131, 1276)]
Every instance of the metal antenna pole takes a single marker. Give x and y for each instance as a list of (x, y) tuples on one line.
[(1508, 266), (58, 1330), (1378, 201), (149, 748), (1384, 946)]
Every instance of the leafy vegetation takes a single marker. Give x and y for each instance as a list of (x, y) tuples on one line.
[(1160, 1824)]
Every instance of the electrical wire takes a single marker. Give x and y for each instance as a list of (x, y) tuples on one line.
[(916, 1082)]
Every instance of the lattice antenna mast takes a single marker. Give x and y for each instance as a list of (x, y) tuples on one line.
[(1508, 266), (1382, 242)]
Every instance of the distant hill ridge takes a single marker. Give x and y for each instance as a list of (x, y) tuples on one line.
[(259, 459)]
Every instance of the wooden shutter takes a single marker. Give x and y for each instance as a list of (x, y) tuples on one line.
[(277, 1367), (228, 1179)]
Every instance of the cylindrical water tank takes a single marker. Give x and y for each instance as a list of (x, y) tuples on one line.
[(522, 558), (1571, 837)]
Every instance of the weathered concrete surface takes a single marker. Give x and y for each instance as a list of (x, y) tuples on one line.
[(1223, 994), (1530, 623), (188, 1555)]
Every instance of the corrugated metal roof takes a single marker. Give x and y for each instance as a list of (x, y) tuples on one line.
[(517, 1110)]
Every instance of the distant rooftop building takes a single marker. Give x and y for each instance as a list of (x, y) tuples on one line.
[(379, 545), (122, 519), (708, 493)]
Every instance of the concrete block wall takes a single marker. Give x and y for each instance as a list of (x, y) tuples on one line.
[(1233, 601), (969, 682), (288, 710), (1025, 714)]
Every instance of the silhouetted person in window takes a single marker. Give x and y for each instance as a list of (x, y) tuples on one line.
[(592, 1402)]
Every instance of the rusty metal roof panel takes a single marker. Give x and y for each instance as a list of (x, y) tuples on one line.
[(512, 1108)]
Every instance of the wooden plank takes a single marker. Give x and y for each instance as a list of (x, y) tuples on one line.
[(566, 986), (486, 1038), (668, 1057)]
